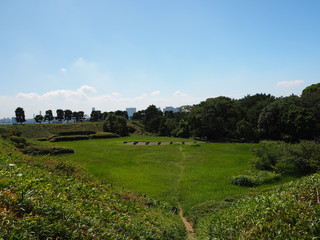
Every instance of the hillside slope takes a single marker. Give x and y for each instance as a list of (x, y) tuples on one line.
[(289, 211), (49, 199)]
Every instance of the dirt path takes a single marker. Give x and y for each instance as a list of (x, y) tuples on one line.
[(187, 224)]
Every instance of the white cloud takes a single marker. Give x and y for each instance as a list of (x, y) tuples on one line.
[(115, 94), (179, 94), (63, 70), (290, 83), (86, 97), (155, 93)]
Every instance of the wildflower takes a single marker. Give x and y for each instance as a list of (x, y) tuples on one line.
[(19, 174), (11, 164)]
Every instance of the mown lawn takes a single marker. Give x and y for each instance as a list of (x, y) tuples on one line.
[(185, 174)]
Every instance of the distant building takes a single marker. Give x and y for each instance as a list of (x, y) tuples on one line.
[(167, 109), (131, 111)]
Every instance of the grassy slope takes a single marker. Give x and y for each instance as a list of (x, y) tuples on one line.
[(289, 211), (46, 130), (47, 198)]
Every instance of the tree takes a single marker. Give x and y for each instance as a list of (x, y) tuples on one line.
[(116, 124), (271, 122), (138, 116), (68, 115), (314, 88), (184, 129), (38, 119), (75, 116), (152, 119), (214, 118), (60, 115), (122, 113), (48, 117), (80, 116), (20, 117), (96, 116)]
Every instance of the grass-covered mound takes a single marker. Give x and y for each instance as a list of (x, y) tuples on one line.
[(41, 198), (47, 130), (289, 211)]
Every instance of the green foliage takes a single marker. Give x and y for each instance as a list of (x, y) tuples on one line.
[(152, 119), (70, 138), (60, 115), (38, 119), (255, 178), (49, 199), (301, 159), (70, 133), (290, 211), (20, 117), (19, 142), (116, 124), (314, 88), (104, 135), (34, 131), (37, 150), (214, 118)]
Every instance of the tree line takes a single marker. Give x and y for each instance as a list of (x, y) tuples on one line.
[(249, 119)]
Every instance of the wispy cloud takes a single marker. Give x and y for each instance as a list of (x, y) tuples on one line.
[(179, 94), (290, 83), (155, 93)]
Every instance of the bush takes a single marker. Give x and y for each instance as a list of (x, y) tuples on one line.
[(46, 151), (69, 138), (299, 159), (104, 135), (243, 181), (255, 178), (290, 211), (19, 142), (72, 133)]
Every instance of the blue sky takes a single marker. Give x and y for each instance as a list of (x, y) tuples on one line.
[(76, 54)]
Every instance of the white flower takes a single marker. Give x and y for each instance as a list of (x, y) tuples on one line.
[(11, 164), (19, 174)]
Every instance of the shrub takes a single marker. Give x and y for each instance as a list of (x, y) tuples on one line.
[(243, 181), (255, 178), (104, 135), (46, 151), (69, 138), (72, 133), (19, 142), (290, 211), (301, 159)]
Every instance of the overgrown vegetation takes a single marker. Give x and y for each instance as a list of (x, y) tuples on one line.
[(298, 159), (255, 178), (42, 198), (290, 211)]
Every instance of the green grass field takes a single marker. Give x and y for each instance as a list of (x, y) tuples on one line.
[(177, 174)]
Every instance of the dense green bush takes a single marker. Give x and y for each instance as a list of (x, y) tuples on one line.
[(37, 150), (72, 133), (255, 178), (104, 135), (69, 138), (301, 159), (19, 142)]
